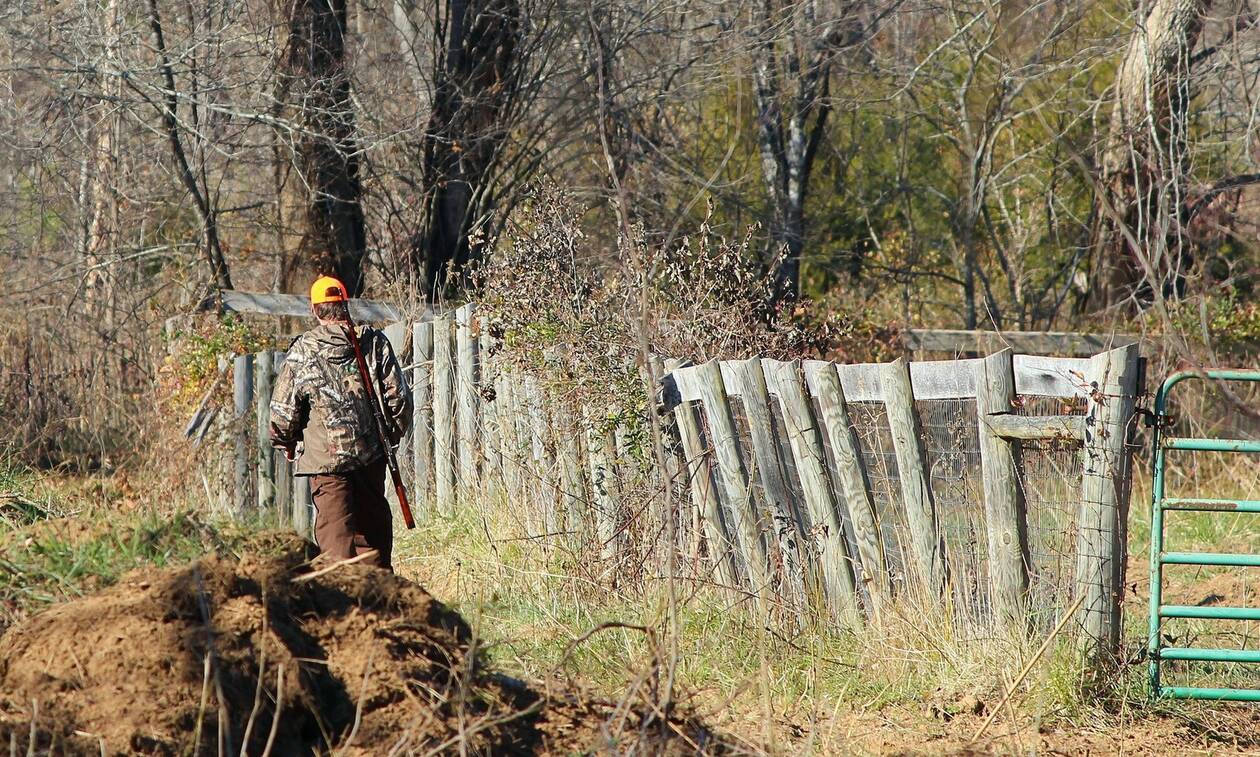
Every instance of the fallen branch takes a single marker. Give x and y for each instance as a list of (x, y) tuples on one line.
[(334, 566), (1019, 679)]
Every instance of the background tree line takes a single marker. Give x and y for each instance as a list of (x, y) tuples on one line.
[(1016, 165)]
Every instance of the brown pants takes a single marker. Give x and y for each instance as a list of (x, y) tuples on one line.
[(352, 515)]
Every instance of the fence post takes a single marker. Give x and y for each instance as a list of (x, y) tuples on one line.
[(491, 470), (734, 479), (600, 447), (1005, 512), (242, 403), (422, 413), (302, 506), (849, 471), (266, 453), (912, 472), (570, 453), (544, 470), (767, 453), (466, 395), (443, 415), (509, 448), (1100, 550), (807, 450)]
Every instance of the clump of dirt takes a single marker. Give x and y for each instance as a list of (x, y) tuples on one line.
[(267, 653)]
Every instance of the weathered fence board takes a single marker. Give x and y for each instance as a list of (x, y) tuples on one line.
[(1054, 342), (748, 523), (1113, 378), (466, 394), (704, 494), (266, 462), (848, 469), (801, 428), (242, 403), (444, 440), (422, 414), (912, 474), (769, 469), (1005, 514)]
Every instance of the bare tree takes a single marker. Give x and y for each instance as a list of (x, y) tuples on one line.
[(334, 238)]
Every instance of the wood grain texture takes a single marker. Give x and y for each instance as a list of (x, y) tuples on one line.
[(912, 474), (770, 475), (1005, 511), (466, 397), (831, 548), (1104, 509), (747, 523), (266, 458), (444, 440), (422, 414), (849, 471), (242, 404)]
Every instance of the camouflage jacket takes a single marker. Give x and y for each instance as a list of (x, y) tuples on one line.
[(319, 399)]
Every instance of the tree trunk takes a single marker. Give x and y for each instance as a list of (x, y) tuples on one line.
[(334, 240), (474, 89), (1137, 243)]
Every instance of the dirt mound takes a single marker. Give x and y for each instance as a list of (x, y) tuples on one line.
[(266, 653)]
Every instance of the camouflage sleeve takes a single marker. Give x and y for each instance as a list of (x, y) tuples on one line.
[(289, 405), (395, 393)]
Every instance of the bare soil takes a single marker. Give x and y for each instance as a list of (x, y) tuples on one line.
[(267, 652)]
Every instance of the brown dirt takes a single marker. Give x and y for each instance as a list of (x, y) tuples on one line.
[(200, 659)]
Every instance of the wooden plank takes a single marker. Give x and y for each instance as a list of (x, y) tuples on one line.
[(511, 453), (573, 487), (769, 472), (600, 454), (1037, 342), (746, 521), (685, 383), (802, 431), (955, 379), (1005, 511), (912, 474), (491, 445), (284, 490), (1107, 457), (544, 459), (242, 403), (266, 458), (466, 396), (1027, 427), (303, 522), (443, 415), (422, 413), (1051, 376), (296, 306), (704, 494), (849, 471)]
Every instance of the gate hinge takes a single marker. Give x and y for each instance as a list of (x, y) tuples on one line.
[(1150, 419)]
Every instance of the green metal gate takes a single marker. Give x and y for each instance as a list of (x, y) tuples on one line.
[(1159, 557)]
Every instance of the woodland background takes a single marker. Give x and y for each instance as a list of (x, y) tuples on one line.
[(837, 169)]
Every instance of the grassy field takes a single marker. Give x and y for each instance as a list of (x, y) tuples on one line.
[(912, 682)]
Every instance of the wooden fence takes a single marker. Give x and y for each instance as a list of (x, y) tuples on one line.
[(785, 492)]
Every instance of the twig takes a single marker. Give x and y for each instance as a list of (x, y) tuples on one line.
[(334, 566), (275, 718), (1019, 679)]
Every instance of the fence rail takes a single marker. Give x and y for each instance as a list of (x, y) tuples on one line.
[(786, 489)]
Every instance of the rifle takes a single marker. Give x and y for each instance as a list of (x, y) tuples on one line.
[(390, 458)]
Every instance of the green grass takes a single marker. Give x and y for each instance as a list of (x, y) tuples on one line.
[(539, 620), (72, 539)]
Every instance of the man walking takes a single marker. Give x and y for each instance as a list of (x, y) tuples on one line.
[(319, 400)]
